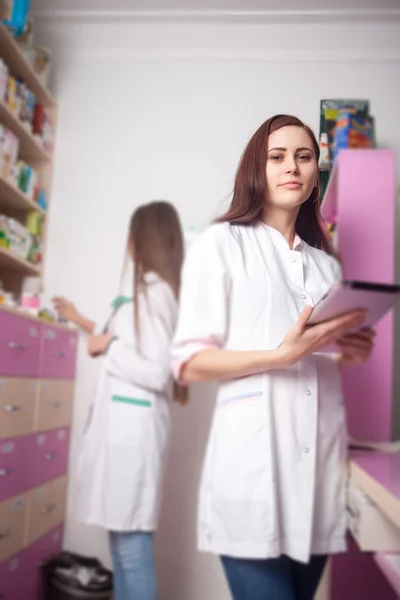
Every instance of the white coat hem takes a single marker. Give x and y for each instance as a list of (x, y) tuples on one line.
[(110, 526), (297, 550)]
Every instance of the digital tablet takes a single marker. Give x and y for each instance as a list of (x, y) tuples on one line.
[(375, 298)]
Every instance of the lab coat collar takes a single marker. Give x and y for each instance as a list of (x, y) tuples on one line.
[(298, 242)]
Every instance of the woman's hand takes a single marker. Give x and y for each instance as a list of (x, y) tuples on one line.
[(66, 309), (98, 344), (302, 340), (356, 348)]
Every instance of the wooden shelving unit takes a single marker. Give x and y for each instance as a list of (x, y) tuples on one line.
[(30, 149), (13, 202), (11, 262), (21, 68)]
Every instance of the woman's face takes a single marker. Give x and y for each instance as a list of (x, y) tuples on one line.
[(291, 168)]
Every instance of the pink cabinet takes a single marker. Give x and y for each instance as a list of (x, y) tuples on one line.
[(14, 584), (15, 466), (58, 353), (29, 461), (20, 342), (37, 369), (45, 548), (49, 456)]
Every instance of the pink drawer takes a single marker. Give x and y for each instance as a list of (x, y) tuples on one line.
[(49, 458), (45, 548), (19, 345), (14, 584), (58, 359), (15, 465)]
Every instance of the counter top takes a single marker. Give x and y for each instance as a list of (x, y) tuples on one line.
[(378, 474)]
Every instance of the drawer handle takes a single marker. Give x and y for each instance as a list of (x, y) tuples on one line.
[(5, 535), (49, 508), (57, 404), (17, 346), (12, 408), (4, 472), (51, 455), (59, 354)]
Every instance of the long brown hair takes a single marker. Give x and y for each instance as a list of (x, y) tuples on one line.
[(155, 241), (250, 187)]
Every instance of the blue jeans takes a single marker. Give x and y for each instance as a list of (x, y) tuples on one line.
[(133, 560), (273, 578)]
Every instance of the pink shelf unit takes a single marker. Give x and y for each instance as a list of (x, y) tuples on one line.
[(361, 195), (37, 372), (385, 470), (361, 192)]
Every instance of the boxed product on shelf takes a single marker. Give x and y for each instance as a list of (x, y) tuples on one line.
[(353, 131), (42, 200), (20, 239), (20, 100), (35, 255), (27, 105), (9, 146), (330, 110), (27, 179), (14, 14), (12, 94), (324, 153), (43, 128), (4, 232), (48, 136), (3, 80), (34, 224), (15, 237)]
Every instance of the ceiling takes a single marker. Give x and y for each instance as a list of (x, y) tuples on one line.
[(88, 8)]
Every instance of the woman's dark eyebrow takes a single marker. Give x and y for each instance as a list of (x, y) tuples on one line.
[(284, 149)]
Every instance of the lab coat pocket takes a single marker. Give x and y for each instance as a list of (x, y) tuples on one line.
[(131, 410), (240, 448)]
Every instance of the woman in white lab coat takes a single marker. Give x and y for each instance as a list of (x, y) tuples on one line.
[(124, 448), (272, 496)]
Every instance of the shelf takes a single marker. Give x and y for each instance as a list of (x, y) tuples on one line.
[(24, 314), (328, 206), (20, 67), (378, 474), (352, 170), (11, 262), (13, 198), (30, 148)]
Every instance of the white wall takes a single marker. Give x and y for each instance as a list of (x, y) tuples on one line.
[(163, 111)]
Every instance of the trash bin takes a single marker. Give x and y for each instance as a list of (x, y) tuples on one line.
[(71, 576)]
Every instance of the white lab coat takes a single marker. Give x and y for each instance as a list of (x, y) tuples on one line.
[(124, 447), (274, 474)]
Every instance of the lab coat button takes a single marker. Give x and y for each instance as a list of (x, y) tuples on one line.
[(304, 296), (306, 450), (308, 392)]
